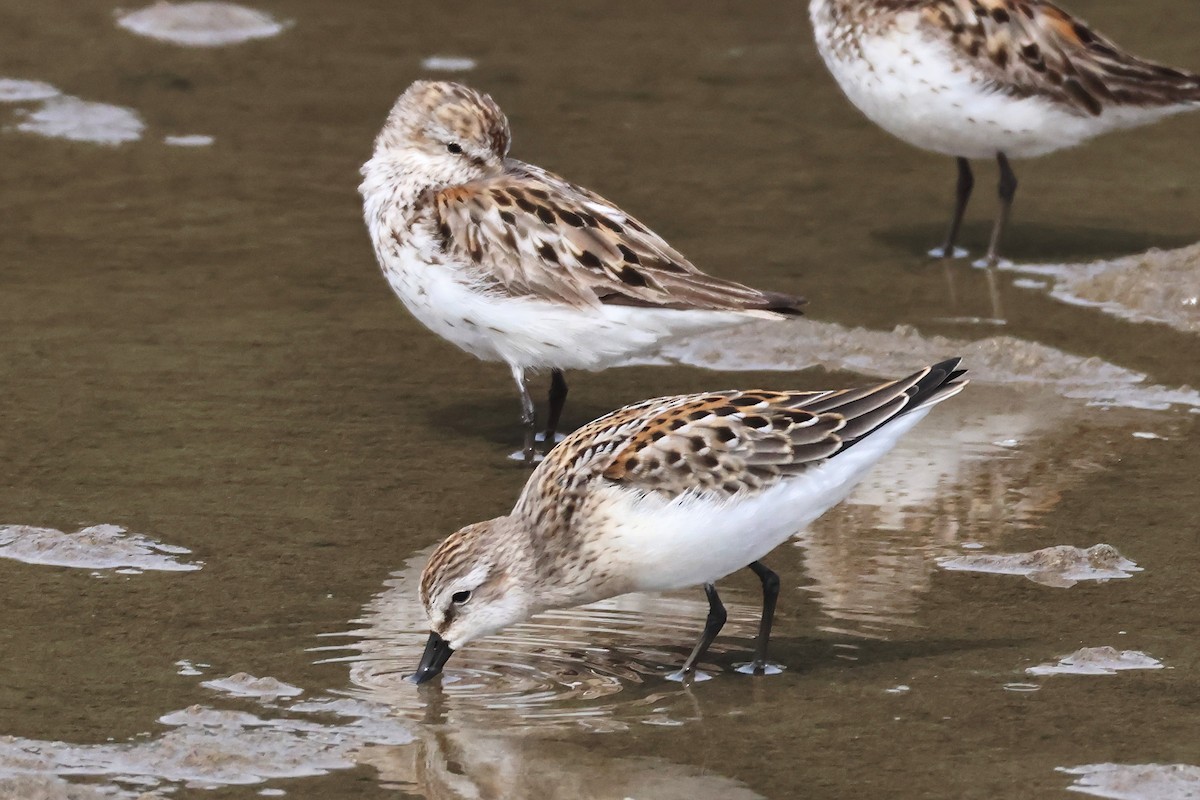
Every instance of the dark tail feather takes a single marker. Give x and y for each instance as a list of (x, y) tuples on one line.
[(786, 304), (940, 382), (870, 409)]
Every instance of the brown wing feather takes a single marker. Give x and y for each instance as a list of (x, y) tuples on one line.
[(529, 232), (720, 443), (1031, 47), (724, 443), (728, 442)]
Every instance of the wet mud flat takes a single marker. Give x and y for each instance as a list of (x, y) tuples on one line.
[(226, 450)]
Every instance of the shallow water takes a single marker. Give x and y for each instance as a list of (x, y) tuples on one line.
[(199, 349)]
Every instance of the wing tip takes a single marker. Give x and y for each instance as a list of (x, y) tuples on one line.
[(784, 305), (937, 382)]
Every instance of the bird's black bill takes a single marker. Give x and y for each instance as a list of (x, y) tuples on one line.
[(437, 653)]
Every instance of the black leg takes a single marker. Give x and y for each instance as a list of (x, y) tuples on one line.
[(962, 194), (712, 626), (558, 398), (770, 589), (528, 417), (1008, 190)]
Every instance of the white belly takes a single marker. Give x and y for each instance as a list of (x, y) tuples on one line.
[(689, 541), (533, 333), (910, 85)]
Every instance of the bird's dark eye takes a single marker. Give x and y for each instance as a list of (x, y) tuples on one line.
[(456, 148), (460, 597)]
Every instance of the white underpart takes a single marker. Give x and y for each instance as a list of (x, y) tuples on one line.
[(911, 83), (525, 332), (695, 539)]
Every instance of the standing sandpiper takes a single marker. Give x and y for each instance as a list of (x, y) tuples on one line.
[(514, 264), (989, 79)]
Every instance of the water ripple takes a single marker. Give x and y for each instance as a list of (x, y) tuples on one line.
[(563, 667)]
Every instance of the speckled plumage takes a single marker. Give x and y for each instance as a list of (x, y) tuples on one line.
[(667, 493), (990, 78), (1021, 77), (514, 264)]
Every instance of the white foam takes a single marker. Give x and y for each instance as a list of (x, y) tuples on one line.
[(448, 63), (186, 667), (15, 90), (803, 343), (242, 684), (95, 547), (190, 140), (1136, 781), (200, 24), (205, 748), (1061, 567), (1097, 661), (1156, 286), (78, 120), (50, 787)]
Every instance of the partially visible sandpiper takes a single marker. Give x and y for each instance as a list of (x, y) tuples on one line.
[(514, 264), (989, 79), (669, 493)]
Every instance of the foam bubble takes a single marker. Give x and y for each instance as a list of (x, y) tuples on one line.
[(1061, 567), (242, 684), (190, 140), (78, 120), (200, 24), (448, 63), (14, 90), (1097, 661), (1136, 781), (1156, 286), (800, 344), (96, 547), (51, 787), (207, 748)]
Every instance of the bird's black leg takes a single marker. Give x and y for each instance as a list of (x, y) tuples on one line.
[(558, 398), (528, 415), (962, 194), (770, 589), (1008, 190), (712, 626)]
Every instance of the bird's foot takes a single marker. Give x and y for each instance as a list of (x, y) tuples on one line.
[(689, 676), (529, 458), (537, 451), (941, 252), (759, 668)]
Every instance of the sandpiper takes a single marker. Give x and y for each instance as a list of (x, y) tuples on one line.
[(514, 264), (989, 79), (664, 494)]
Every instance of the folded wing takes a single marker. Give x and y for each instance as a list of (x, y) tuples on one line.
[(1031, 48), (530, 233), (730, 442)]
